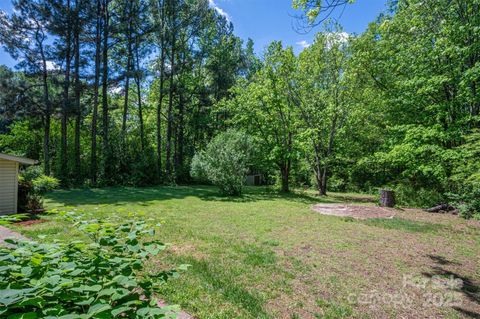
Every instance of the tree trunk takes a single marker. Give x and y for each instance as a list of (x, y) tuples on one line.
[(161, 86), (125, 103), (139, 97), (78, 119), (323, 184), (180, 133), (127, 74), (65, 104), (98, 41), (105, 120), (387, 198), (168, 148), (321, 179), (46, 139), (285, 174)]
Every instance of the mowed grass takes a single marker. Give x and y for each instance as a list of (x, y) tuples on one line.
[(268, 255)]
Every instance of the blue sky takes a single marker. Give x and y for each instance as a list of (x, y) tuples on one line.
[(268, 20)]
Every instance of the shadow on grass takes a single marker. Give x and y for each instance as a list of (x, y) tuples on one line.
[(357, 198), (470, 289), (217, 278), (147, 195), (405, 225)]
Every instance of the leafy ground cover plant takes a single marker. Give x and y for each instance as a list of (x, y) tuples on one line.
[(104, 278)]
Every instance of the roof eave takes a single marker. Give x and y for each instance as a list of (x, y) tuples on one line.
[(18, 159)]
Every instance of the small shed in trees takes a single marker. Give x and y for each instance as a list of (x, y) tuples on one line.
[(254, 180), (9, 181)]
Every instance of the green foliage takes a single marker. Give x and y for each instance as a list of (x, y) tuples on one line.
[(12, 218), (322, 101), (264, 107), (44, 184), (32, 185), (397, 105), (467, 200), (465, 180), (315, 8), (102, 279), (225, 161), (41, 184), (23, 139), (406, 195)]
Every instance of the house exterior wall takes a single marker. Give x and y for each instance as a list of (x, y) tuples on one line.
[(8, 187)]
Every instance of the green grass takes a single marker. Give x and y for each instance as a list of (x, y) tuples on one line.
[(406, 225), (268, 255)]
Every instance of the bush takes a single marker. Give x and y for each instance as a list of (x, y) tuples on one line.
[(225, 161), (28, 200), (467, 200), (103, 279), (464, 190), (406, 195), (32, 185)]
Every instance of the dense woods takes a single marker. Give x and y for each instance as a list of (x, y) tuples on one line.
[(127, 92)]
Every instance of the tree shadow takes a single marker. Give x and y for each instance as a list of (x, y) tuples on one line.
[(442, 260), (146, 196), (470, 289), (254, 194)]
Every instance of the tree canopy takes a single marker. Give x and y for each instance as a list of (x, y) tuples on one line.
[(127, 92)]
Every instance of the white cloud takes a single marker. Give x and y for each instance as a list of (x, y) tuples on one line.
[(219, 10), (303, 44), (341, 37), (52, 66)]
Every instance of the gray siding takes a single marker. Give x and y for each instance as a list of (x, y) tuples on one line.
[(8, 186)]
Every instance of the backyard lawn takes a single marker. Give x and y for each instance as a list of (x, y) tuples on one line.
[(266, 255)]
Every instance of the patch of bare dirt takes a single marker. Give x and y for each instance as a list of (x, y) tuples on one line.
[(358, 212), (6, 233), (383, 274), (31, 222), (416, 214)]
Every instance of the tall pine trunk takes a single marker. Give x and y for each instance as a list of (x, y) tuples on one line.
[(98, 44), (128, 72), (125, 103), (138, 80), (168, 148), (180, 133), (78, 118), (46, 100), (161, 87), (65, 103), (105, 117)]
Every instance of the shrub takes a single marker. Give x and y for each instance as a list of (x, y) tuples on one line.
[(32, 185), (406, 195), (467, 200), (102, 279), (28, 200), (225, 161), (44, 184), (465, 180)]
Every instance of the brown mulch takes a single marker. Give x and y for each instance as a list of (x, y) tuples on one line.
[(31, 222), (358, 212)]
